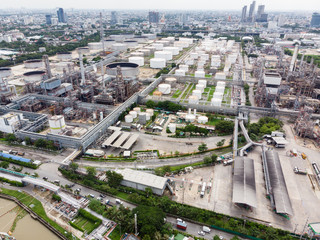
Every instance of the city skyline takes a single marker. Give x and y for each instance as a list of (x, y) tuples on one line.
[(272, 5)]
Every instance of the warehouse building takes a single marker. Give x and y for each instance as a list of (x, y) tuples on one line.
[(142, 180)]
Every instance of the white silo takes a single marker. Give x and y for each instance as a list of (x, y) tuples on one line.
[(101, 116), (128, 118), (164, 88), (199, 74), (148, 116), (219, 89), (180, 72), (190, 118), (203, 82), (202, 119), (200, 87), (119, 47), (145, 52), (57, 124), (216, 102), (163, 54), (134, 114), (137, 109), (173, 50), (157, 63), (172, 127), (194, 55), (218, 95), (158, 46), (197, 93), (137, 60), (193, 100), (221, 84), (150, 111), (172, 81)]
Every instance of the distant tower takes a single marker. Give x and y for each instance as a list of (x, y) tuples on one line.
[(48, 19), (61, 16), (251, 11), (114, 18), (315, 21), (154, 17), (244, 14), (260, 11)]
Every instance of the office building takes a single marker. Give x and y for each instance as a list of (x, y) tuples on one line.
[(244, 14), (261, 15), (315, 21), (114, 18), (48, 19), (251, 11), (154, 17), (61, 16), (260, 10)]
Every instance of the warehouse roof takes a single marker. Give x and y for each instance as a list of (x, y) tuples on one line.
[(133, 138), (278, 184), (279, 140), (42, 183), (143, 178), (244, 186), (112, 138), (121, 139)]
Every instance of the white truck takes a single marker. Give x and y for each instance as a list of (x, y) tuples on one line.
[(203, 189), (206, 229)]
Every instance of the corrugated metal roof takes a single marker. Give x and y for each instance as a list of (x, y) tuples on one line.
[(278, 184), (244, 186)]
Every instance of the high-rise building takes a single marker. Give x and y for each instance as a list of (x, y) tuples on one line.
[(48, 19), (315, 21), (244, 14), (260, 10), (261, 15), (61, 16), (154, 17), (114, 17), (251, 11)]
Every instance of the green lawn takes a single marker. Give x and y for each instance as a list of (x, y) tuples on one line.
[(213, 122), (115, 235), (186, 91), (153, 91), (84, 223), (177, 94), (212, 89)]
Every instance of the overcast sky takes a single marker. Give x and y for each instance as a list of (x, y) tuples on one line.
[(281, 5)]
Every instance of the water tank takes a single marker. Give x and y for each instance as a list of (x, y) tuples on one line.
[(137, 109), (145, 52), (197, 93), (108, 43), (57, 124), (202, 119), (63, 65), (34, 76), (184, 67), (171, 81), (180, 72), (163, 54), (95, 46), (173, 50), (164, 42), (64, 56), (199, 74), (216, 102), (203, 82), (137, 60), (190, 118), (219, 89), (157, 63), (194, 55), (164, 88), (142, 118), (5, 72), (218, 94), (150, 111), (221, 84), (34, 63), (200, 87), (134, 114), (137, 54), (172, 127), (128, 69), (128, 118), (119, 47), (131, 43), (158, 46), (83, 50), (193, 100)]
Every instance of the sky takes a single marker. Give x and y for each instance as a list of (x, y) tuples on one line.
[(271, 5)]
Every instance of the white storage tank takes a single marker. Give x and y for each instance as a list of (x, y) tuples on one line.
[(164, 88), (197, 93), (34, 76), (219, 89), (131, 43), (172, 81), (200, 87), (216, 102), (145, 52), (137, 60), (137, 54), (158, 46), (142, 118), (203, 82), (218, 95), (128, 118), (64, 56), (83, 50), (180, 72), (157, 63), (5, 72), (148, 116), (194, 55), (63, 65), (57, 124), (193, 100), (150, 111), (134, 114), (137, 109), (184, 67), (202, 119), (108, 43), (95, 46), (190, 118), (34, 63), (119, 47), (151, 48), (163, 54), (199, 74), (173, 50), (172, 127)]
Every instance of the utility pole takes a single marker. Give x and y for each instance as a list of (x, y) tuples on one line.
[(135, 224)]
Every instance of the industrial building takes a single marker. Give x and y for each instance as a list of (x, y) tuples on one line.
[(141, 180), (11, 122)]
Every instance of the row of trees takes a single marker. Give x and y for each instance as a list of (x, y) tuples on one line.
[(225, 127), (246, 91), (192, 129), (166, 105), (265, 125)]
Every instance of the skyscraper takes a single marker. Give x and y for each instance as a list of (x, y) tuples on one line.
[(261, 15), (114, 17), (251, 11), (315, 21), (260, 11), (154, 17), (244, 14), (61, 16), (48, 19)]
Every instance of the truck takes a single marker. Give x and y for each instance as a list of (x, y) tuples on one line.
[(206, 229), (227, 162), (299, 171), (203, 189), (181, 225)]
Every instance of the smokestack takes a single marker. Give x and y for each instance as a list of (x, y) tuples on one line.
[(101, 116), (294, 57), (45, 58), (81, 69), (195, 112), (189, 112)]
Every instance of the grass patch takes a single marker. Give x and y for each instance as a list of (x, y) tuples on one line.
[(186, 91), (177, 94), (84, 224), (115, 235), (213, 88), (151, 93)]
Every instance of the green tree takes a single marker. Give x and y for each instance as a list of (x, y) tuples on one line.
[(214, 158), (207, 160), (91, 172), (114, 179), (166, 169), (28, 141), (148, 191), (220, 143), (40, 143), (202, 147), (10, 137), (146, 237), (225, 127), (150, 104), (4, 165), (73, 166)]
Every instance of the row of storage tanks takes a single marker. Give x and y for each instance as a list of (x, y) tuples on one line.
[(197, 93), (136, 113)]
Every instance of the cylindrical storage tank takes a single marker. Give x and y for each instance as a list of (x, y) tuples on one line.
[(57, 124), (137, 60), (140, 39), (218, 95), (190, 118), (173, 50), (95, 45), (142, 118), (145, 52), (216, 102), (172, 127), (134, 114), (163, 54), (63, 65), (128, 69), (194, 55), (158, 46), (157, 63), (64, 56), (34, 76), (180, 72), (109, 42), (119, 47), (150, 36), (137, 54), (131, 43), (5, 72), (83, 50), (128, 118), (219, 89), (151, 48), (221, 84), (171, 81), (199, 74), (150, 111), (164, 88), (203, 82), (202, 119), (184, 67), (34, 63), (200, 87), (197, 93), (204, 56), (148, 116), (165, 43), (193, 100), (137, 109)]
